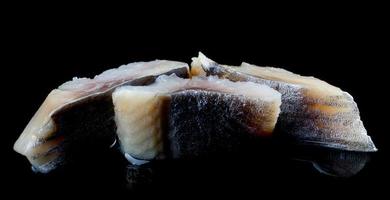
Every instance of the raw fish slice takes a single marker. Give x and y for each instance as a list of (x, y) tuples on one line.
[(312, 111), (81, 108), (179, 118)]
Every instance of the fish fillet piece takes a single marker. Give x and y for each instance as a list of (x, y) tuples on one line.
[(312, 111), (83, 108), (177, 117)]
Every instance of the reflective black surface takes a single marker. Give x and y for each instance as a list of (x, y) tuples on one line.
[(342, 47), (271, 166), (313, 161)]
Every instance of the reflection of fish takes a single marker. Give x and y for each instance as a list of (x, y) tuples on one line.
[(139, 176), (342, 163), (332, 162), (312, 111), (198, 116), (282, 162), (81, 107)]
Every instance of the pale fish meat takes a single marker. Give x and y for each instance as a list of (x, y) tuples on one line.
[(83, 108), (181, 118), (312, 112)]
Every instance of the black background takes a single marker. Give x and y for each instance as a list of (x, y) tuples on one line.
[(344, 46)]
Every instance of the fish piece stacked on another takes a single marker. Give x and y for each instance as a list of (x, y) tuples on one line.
[(183, 118), (312, 111), (82, 109)]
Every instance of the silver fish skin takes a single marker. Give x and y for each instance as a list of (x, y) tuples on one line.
[(313, 112)]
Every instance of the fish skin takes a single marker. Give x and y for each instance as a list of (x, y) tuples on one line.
[(57, 124), (203, 123), (186, 118), (324, 116)]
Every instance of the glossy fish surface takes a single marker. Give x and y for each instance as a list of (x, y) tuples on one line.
[(312, 111)]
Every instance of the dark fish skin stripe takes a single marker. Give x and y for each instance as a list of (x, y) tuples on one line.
[(203, 123), (89, 120), (89, 123)]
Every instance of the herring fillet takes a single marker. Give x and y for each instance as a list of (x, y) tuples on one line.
[(43, 139), (178, 118), (312, 111)]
